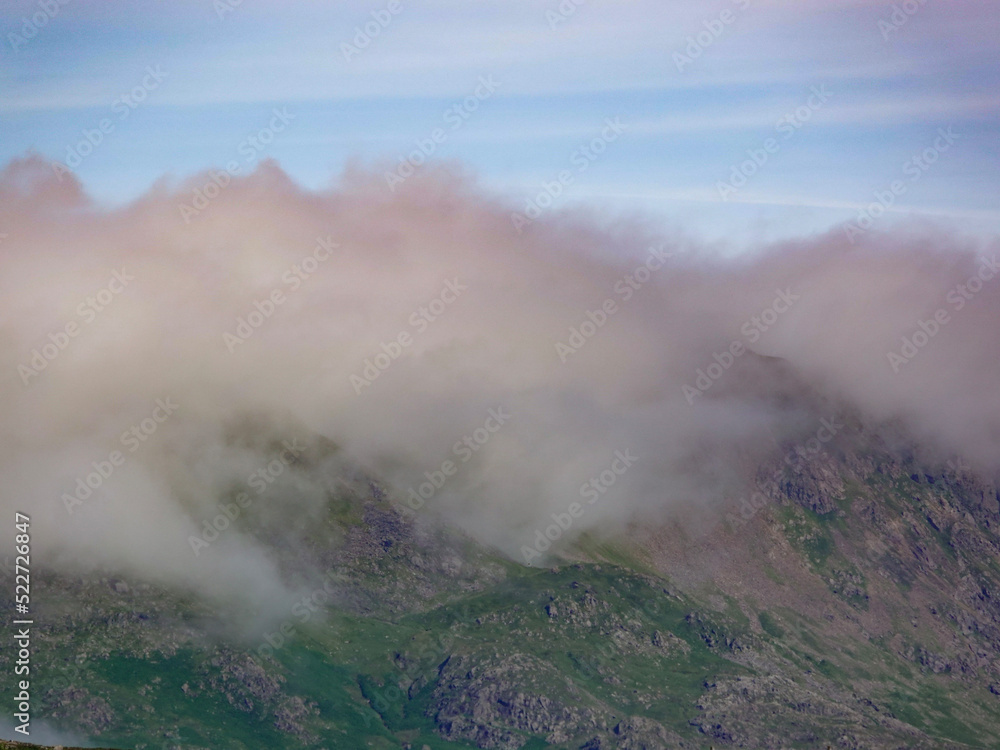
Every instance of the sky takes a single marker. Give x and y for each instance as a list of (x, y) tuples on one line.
[(738, 121)]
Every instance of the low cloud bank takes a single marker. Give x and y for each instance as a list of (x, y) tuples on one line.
[(156, 363)]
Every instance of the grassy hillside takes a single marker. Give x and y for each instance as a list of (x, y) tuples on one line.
[(862, 614)]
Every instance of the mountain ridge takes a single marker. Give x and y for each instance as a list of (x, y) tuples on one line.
[(857, 606)]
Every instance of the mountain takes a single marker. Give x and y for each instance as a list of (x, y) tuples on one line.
[(8, 745), (853, 601)]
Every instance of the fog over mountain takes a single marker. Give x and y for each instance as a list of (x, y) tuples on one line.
[(199, 343)]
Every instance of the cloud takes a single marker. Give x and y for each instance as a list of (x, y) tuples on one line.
[(43, 732), (395, 325)]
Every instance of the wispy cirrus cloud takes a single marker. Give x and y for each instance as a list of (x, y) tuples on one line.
[(606, 59)]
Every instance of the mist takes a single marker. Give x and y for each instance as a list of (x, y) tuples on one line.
[(487, 366)]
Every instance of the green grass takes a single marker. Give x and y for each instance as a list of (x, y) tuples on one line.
[(345, 664), (770, 625)]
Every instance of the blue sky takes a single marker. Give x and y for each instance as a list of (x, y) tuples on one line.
[(889, 87)]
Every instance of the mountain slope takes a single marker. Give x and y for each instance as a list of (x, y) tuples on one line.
[(856, 606)]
